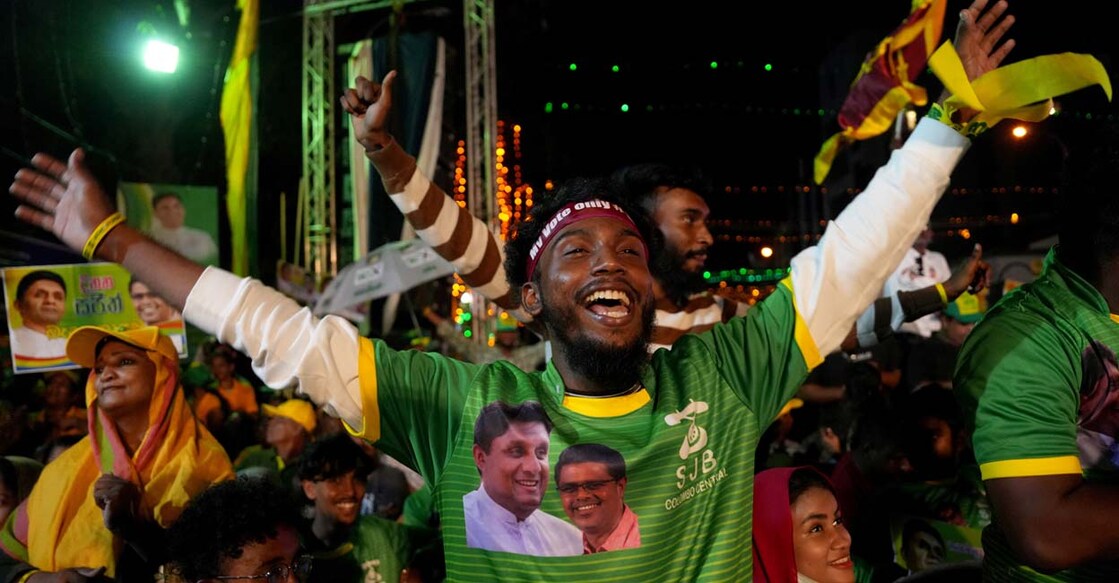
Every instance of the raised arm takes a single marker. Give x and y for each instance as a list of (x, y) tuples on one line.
[(886, 315), (837, 278), (66, 200), (439, 221)]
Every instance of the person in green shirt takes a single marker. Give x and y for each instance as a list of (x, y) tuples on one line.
[(346, 546), (1039, 382), (287, 435)]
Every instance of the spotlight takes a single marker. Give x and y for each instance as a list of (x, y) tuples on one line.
[(160, 56)]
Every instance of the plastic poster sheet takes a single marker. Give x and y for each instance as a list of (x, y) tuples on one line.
[(47, 302)]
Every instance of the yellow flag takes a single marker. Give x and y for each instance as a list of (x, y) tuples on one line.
[(1022, 90), (236, 123)]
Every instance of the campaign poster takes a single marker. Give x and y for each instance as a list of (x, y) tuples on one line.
[(47, 302), (184, 218), (922, 543)]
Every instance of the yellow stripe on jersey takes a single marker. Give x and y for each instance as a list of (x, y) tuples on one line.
[(804, 339), (608, 407), (1023, 468), (367, 377)]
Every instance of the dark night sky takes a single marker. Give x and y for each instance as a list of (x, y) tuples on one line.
[(70, 65)]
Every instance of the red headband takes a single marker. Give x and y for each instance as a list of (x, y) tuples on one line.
[(572, 213)]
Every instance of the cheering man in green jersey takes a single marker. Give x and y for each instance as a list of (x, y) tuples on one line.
[(686, 421)]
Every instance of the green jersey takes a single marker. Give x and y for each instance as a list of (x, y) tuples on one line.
[(1037, 380), (686, 434), (687, 437), (378, 550)]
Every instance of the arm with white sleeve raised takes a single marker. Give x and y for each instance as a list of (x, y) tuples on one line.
[(834, 281)]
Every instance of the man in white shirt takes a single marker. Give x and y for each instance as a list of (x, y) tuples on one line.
[(503, 514), (154, 310), (41, 302), (921, 268), (169, 229)]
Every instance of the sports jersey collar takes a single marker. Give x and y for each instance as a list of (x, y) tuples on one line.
[(607, 406), (594, 406)]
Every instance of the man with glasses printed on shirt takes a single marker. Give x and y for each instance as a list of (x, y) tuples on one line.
[(591, 479)]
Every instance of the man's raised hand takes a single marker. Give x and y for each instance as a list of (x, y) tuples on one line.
[(978, 35), (368, 104)]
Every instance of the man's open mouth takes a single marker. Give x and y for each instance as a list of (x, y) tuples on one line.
[(611, 303)]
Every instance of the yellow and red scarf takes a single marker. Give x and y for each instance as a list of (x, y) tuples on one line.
[(59, 526)]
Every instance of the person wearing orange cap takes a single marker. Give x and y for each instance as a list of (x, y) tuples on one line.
[(101, 508), (289, 428)]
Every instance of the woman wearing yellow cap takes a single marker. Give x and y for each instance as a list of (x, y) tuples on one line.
[(101, 507)]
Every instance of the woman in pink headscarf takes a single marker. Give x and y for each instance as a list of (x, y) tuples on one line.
[(798, 529)]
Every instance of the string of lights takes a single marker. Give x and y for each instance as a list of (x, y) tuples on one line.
[(626, 106)]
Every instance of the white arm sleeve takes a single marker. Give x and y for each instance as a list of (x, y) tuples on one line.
[(286, 343), (837, 279)]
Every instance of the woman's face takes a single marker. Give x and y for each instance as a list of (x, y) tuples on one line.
[(125, 377), (820, 541)]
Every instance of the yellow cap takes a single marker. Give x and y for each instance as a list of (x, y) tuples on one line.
[(82, 343), (968, 308), (297, 410)]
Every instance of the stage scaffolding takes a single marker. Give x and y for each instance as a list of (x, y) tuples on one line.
[(319, 231)]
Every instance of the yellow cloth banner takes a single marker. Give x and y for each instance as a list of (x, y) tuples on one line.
[(236, 123), (59, 526), (1022, 90)]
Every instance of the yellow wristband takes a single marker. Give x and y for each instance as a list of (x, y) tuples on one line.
[(23, 578), (944, 116), (943, 294), (100, 232)]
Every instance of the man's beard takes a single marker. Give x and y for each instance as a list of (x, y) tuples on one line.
[(614, 366), (677, 282)]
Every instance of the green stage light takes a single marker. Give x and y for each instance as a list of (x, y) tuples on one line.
[(161, 57)]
